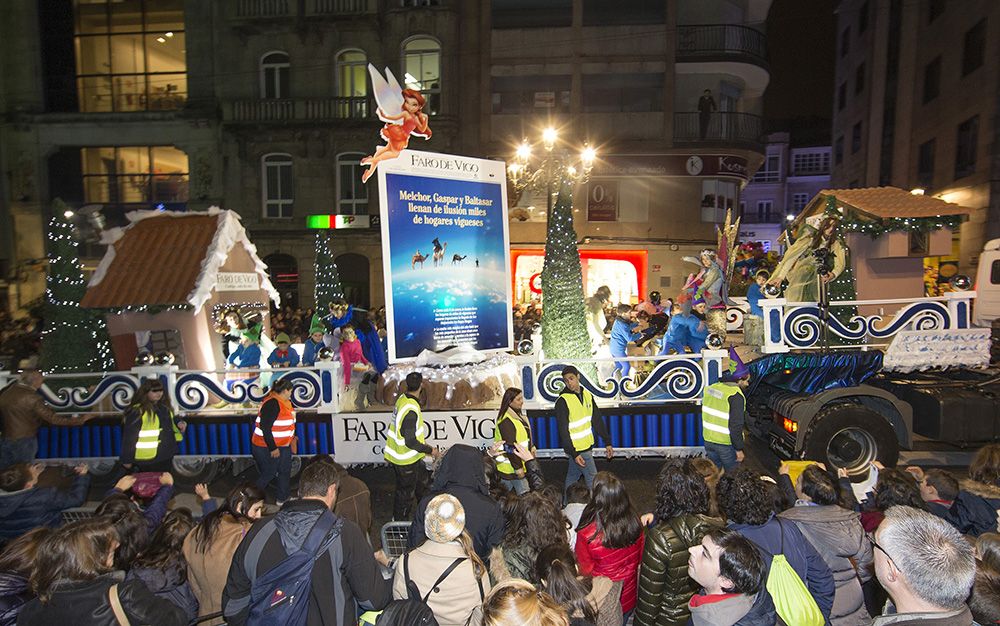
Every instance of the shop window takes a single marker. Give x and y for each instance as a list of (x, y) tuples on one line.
[(275, 70), (974, 48), (932, 79), (126, 176), (422, 70), (352, 194), (531, 13), (856, 138), (613, 92), (859, 79), (965, 150), (525, 94), (352, 84), (278, 188), (925, 164), (130, 56)]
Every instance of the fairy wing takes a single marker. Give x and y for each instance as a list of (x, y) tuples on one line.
[(388, 94)]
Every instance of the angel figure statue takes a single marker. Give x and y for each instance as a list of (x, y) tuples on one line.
[(402, 111)]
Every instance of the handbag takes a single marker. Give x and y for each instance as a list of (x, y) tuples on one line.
[(146, 484), (116, 606)]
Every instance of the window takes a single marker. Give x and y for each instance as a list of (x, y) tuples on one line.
[(352, 84), (932, 79), (274, 76), (845, 42), (863, 17), (925, 164), (810, 163), (148, 175), (352, 195), (130, 56), (856, 138), (418, 3), (524, 94), (859, 79), (764, 210), (604, 13), (838, 150), (422, 70), (934, 9), (614, 92), (995, 273), (965, 150), (531, 13), (770, 171), (799, 201), (842, 96), (278, 192), (974, 48)]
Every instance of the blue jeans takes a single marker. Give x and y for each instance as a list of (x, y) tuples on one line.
[(723, 456), (518, 485), (574, 471), (271, 468), (14, 451)]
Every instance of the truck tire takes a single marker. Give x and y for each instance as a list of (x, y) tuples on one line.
[(195, 469), (851, 436)]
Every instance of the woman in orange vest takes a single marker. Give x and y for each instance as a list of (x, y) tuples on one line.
[(274, 438)]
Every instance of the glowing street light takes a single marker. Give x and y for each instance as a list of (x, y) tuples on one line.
[(549, 137)]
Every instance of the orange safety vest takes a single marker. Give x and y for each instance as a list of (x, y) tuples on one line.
[(284, 426)]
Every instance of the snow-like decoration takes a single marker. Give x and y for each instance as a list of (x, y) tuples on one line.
[(490, 371), (918, 350)]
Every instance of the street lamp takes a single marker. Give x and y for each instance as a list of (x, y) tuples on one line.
[(554, 167)]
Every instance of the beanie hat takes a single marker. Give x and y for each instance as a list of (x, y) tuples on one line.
[(444, 519), (281, 338), (317, 325)]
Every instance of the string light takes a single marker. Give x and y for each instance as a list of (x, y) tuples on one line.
[(328, 285), (875, 227)]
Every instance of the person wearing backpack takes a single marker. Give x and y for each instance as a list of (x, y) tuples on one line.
[(799, 580), (444, 572), (305, 565), (731, 574)]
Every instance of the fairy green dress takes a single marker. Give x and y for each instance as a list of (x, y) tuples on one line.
[(799, 267)]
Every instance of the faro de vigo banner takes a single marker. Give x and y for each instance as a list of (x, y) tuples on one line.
[(445, 253), (360, 437)]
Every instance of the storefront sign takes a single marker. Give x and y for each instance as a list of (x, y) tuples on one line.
[(446, 253), (602, 201), (237, 281), (696, 165), (360, 437), (337, 221)]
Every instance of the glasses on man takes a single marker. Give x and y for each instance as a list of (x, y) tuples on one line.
[(871, 538)]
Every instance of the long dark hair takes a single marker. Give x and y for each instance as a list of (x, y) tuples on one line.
[(508, 397), (165, 547), (237, 504), (611, 509), (818, 240), (533, 521), (681, 491), (897, 488), (18, 557), (133, 533), (140, 398), (75, 552), (556, 566)]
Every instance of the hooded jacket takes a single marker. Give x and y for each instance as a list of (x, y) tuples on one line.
[(664, 586), (343, 577), (170, 584), (462, 474), (736, 611), (974, 510), (15, 592), (837, 535), (21, 511)]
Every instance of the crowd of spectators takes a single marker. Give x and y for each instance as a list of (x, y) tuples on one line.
[(20, 339)]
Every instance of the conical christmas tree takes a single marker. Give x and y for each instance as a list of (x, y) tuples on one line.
[(73, 339), (328, 284), (564, 322)]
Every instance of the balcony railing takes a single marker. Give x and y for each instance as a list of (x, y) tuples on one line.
[(342, 7), (313, 109), (707, 42), (720, 128), (264, 9)]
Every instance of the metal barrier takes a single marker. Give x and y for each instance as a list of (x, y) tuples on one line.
[(395, 538)]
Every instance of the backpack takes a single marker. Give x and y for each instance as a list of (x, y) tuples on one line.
[(414, 610), (792, 601), (281, 595)]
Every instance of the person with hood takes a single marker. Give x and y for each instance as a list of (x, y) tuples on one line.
[(314, 343), (16, 563), (24, 505), (731, 573), (162, 567), (837, 535), (345, 576), (974, 510), (461, 473)]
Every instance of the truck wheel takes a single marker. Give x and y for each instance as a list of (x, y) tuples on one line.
[(851, 437), (195, 469)]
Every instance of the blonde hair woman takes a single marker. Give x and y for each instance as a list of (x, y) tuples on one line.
[(517, 603)]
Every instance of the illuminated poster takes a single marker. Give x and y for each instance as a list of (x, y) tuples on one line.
[(445, 253)]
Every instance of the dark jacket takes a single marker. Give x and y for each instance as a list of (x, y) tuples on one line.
[(23, 412), (597, 425), (837, 535), (960, 617), (760, 613), (664, 586), (15, 592), (156, 510), (774, 538), (167, 447), (170, 584), (343, 577), (462, 475), (974, 510), (88, 603), (20, 511)]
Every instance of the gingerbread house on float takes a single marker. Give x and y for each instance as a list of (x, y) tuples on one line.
[(166, 278)]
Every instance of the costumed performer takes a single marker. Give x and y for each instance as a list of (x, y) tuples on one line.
[(753, 322), (713, 290), (230, 325), (246, 357), (596, 322), (622, 333), (342, 314), (818, 242), (312, 345)]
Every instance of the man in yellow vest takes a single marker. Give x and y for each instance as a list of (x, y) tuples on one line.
[(580, 423), (405, 449), (723, 406)]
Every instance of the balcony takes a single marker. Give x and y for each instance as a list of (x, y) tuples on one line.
[(302, 110), (721, 42), (244, 10), (723, 130)]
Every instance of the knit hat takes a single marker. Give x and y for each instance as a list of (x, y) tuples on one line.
[(444, 519), (282, 338), (253, 333), (317, 325)]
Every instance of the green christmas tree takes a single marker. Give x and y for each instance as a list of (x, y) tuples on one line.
[(74, 339), (564, 322), (328, 284)]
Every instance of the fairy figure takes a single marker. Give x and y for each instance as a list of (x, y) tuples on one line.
[(401, 110)]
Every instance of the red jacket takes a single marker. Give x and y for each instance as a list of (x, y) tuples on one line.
[(617, 564)]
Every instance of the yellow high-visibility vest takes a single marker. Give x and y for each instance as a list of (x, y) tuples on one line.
[(522, 434), (715, 412), (580, 416), (396, 451), (149, 435)]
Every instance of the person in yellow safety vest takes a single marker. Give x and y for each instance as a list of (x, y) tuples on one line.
[(723, 408), (150, 431), (580, 423), (512, 428), (405, 449)]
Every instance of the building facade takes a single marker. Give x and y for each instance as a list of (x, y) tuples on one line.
[(916, 105), (264, 107)]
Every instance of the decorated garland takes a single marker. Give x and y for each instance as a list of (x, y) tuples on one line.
[(876, 227)]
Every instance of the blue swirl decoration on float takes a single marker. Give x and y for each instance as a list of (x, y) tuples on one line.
[(307, 389), (923, 316), (119, 387), (802, 326), (192, 391), (681, 379)]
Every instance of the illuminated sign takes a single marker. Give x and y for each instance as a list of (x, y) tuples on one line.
[(338, 221)]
